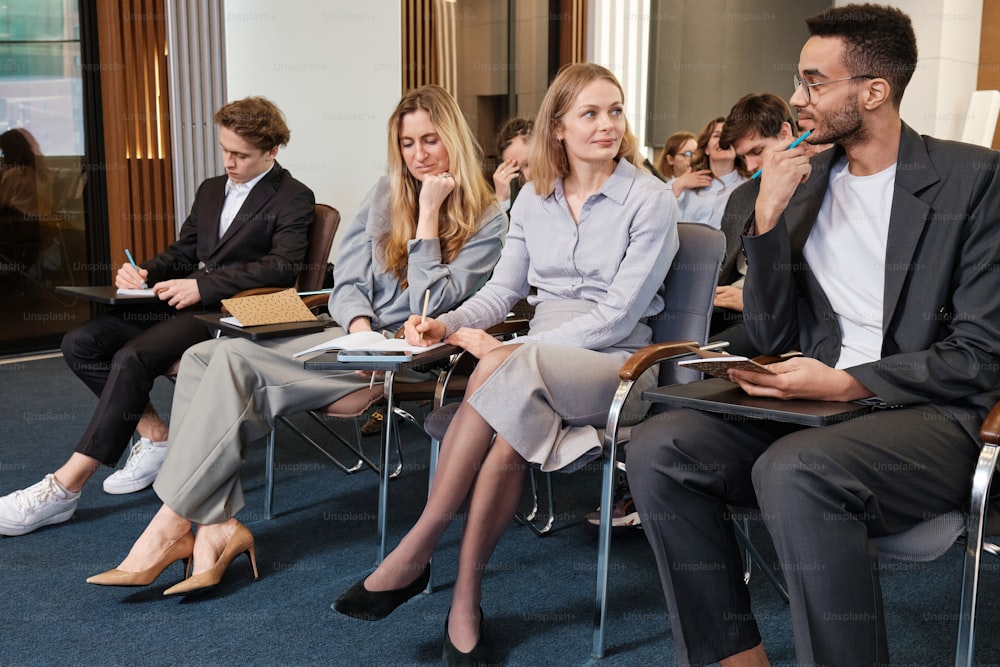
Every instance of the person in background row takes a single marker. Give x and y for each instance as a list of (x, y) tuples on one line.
[(675, 160), (756, 124), (703, 191), (513, 147), (19, 175)]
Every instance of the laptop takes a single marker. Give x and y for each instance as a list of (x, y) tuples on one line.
[(725, 397)]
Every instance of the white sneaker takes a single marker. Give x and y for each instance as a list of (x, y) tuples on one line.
[(38, 505), (140, 470)]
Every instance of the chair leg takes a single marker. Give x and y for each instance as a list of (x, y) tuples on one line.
[(604, 544), (743, 537), (269, 474), (383, 487), (271, 455), (431, 469), (975, 528), (529, 518)]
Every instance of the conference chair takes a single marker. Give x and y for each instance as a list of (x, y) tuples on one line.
[(968, 526), (689, 290)]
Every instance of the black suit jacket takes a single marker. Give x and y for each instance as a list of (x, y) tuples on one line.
[(941, 305), (264, 245), (739, 207)]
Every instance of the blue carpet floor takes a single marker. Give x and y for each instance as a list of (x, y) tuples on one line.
[(538, 594)]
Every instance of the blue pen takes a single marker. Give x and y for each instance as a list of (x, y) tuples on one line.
[(795, 143), (132, 262)]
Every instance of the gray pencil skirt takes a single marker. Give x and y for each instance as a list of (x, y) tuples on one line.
[(548, 401)]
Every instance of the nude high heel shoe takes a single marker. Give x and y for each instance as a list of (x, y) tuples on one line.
[(240, 542), (179, 550)]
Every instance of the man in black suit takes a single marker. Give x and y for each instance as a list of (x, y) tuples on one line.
[(246, 229), (879, 260)]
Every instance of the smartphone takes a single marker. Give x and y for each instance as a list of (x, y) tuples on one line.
[(374, 355), (717, 366)]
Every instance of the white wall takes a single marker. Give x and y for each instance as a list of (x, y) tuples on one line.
[(937, 99), (334, 69)]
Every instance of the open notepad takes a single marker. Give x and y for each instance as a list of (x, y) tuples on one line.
[(136, 292), (366, 340)]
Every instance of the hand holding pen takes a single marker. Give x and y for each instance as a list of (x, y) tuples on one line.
[(130, 275), (799, 140), (785, 171)]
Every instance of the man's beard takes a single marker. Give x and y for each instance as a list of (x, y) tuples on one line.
[(845, 127)]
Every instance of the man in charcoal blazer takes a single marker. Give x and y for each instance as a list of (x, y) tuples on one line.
[(882, 267), (246, 229)]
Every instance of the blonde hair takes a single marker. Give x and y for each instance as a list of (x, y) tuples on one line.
[(548, 155), (459, 216)]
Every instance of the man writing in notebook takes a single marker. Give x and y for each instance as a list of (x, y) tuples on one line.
[(878, 260), (246, 229)]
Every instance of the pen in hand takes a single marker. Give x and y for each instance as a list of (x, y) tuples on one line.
[(132, 262), (423, 315), (795, 143)]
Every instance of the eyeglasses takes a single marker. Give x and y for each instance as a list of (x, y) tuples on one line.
[(808, 86), (685, 154)]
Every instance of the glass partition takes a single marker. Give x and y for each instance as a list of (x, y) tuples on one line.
[(42, 222)]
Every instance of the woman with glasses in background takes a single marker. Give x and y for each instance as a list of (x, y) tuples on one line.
[(675, 160), (702, 193)]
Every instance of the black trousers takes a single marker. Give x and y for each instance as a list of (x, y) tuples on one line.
[(822, 494), (119, 355)]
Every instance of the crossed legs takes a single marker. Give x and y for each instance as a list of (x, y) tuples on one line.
[(167, 527), (472, 460)]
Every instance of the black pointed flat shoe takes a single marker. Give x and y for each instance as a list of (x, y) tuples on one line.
[(359, 602), (479, 656)]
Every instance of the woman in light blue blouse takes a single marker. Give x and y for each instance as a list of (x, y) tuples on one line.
[(702, 193), (429, 225), (594, 236)]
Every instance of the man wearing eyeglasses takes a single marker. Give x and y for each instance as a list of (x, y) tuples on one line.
[(879, 261)]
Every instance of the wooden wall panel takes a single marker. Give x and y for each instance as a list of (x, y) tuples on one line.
[(136, 128), (420, 57), (989, 54), (572, 32)]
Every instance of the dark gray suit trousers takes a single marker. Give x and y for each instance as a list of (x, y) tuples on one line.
[(822, 493)]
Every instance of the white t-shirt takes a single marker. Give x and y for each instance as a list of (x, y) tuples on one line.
[(846, 252)]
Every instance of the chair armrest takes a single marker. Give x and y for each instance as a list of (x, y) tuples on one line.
[(315, 300), (508, 328), (989, 433), (646, 357), (254, 291)]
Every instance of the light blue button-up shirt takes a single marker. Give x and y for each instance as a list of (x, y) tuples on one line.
[(616, 257)]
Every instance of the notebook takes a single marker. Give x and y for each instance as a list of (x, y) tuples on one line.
[(275, 308)]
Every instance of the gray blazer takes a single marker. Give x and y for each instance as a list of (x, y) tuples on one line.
[(941, 309)]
